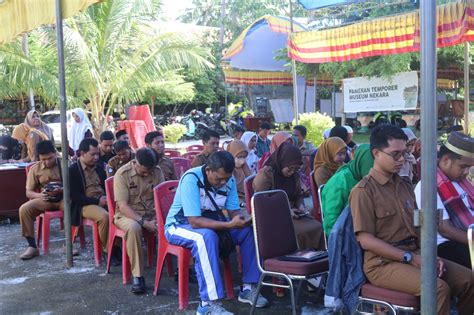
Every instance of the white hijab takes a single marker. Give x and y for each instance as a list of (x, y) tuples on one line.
[(252, 158), (78, 130)]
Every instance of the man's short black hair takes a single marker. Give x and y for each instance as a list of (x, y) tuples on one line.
[(146, 157), (152, 135), (443, 150), (381, 134), (239, 129), (339, 131), (221, 159), (120, 133), (302, 129), (86, 143), (121, 145), (210, 134), (107, 135), (45, 147), (265, 126)]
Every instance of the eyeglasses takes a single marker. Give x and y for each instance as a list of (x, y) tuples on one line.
[(295, 169), (395, 156)]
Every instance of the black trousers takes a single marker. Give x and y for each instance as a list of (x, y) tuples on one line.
[(456, 252)]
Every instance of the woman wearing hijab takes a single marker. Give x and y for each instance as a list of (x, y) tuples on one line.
[(29, 133), (249, 138), (407, 170), (335, 195), (81, 128), (279, 138), (281, 172), (239, 151), (330, 156)]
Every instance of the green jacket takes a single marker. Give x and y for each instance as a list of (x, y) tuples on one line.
[(335, 194)]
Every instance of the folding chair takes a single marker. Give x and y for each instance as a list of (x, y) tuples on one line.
[(181, 165), (95, 238), (43, 221), (190, 155), (470, 241), (164, 195), (195, 147), (321, 213), (172, 153), (275, 237), (315, 196), (248, 190), (393, 301)]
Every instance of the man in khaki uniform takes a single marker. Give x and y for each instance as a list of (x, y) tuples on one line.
[(46, 171), (382, 205), (156, 141), (133, 189), (210, 141), (124, 155)]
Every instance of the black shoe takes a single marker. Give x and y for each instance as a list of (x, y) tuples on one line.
[(116, 259), (138, 285)]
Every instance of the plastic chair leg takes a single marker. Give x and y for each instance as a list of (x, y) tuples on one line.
[(45, 234), (150, 243), (183, 281), (109, 251), (39, 229), (229, 285), (160, 261), (126, 269), (97, 244)]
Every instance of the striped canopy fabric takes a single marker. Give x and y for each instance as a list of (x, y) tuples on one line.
[(233, 76), (384, 36)]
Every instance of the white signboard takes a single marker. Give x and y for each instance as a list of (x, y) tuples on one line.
[(282, 110), (399, 92)]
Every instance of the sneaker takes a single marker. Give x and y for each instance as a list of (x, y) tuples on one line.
[(247, 296), (29, 253), (211, 309)]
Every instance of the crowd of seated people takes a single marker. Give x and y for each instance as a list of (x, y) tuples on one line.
[(364, 180)]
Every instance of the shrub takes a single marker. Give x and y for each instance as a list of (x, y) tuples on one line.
[(174, 132), (316, 123)]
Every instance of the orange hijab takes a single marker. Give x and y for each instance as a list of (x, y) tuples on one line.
[(326, 153), (240, 173), (278, 139)]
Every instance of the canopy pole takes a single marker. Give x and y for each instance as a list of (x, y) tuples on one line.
[(293, 71), (26, 51), (64, 144), (467, 62), (428, 157)]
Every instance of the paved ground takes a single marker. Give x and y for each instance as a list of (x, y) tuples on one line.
[(45, 286)]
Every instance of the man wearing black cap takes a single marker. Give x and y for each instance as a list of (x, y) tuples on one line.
[(455, 197)]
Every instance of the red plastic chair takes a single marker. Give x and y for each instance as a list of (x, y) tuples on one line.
[(190, 155), (248, 190), (196, 147), (172, 153), (181, 165), (164, 195), (95, 238), (43, 222), (114, 232), (315, 197)]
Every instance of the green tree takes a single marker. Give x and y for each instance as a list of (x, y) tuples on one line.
[(114, 55)]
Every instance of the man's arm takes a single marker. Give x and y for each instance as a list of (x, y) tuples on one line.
[(30, 194), (128, 211), (381, 248), (447, 230), (237, 222)]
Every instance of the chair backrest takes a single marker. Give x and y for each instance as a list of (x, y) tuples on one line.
[(248, 190), (315, 197), (320, 191), (195, 147), (109, 192), (190, 155), (470, 240), (181, 165), (172, 153), (274, 232), (164, 195), (262, 160)]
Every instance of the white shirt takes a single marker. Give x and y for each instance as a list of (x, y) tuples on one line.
[(440, 205)]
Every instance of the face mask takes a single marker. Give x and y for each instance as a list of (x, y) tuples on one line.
[(239, 162)]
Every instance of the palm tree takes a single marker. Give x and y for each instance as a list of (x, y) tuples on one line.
[(113, 54)]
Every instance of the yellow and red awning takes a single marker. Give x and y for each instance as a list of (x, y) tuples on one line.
[(384, 36), (233, 76), (18, 16)]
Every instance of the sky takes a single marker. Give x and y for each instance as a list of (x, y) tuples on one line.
[(174, 8)]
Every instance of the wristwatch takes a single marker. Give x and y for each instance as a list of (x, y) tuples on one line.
[(141, 221), (407, 257)]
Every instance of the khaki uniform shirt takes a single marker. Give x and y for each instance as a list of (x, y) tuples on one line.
[(136, 190), (383, 206), (167, 167), (39, 176), (93, 187), (200, 160), (115, 163)]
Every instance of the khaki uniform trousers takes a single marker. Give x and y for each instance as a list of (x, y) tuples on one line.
[(101, 217), (133, 239), (456, 281), (33, 208)]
